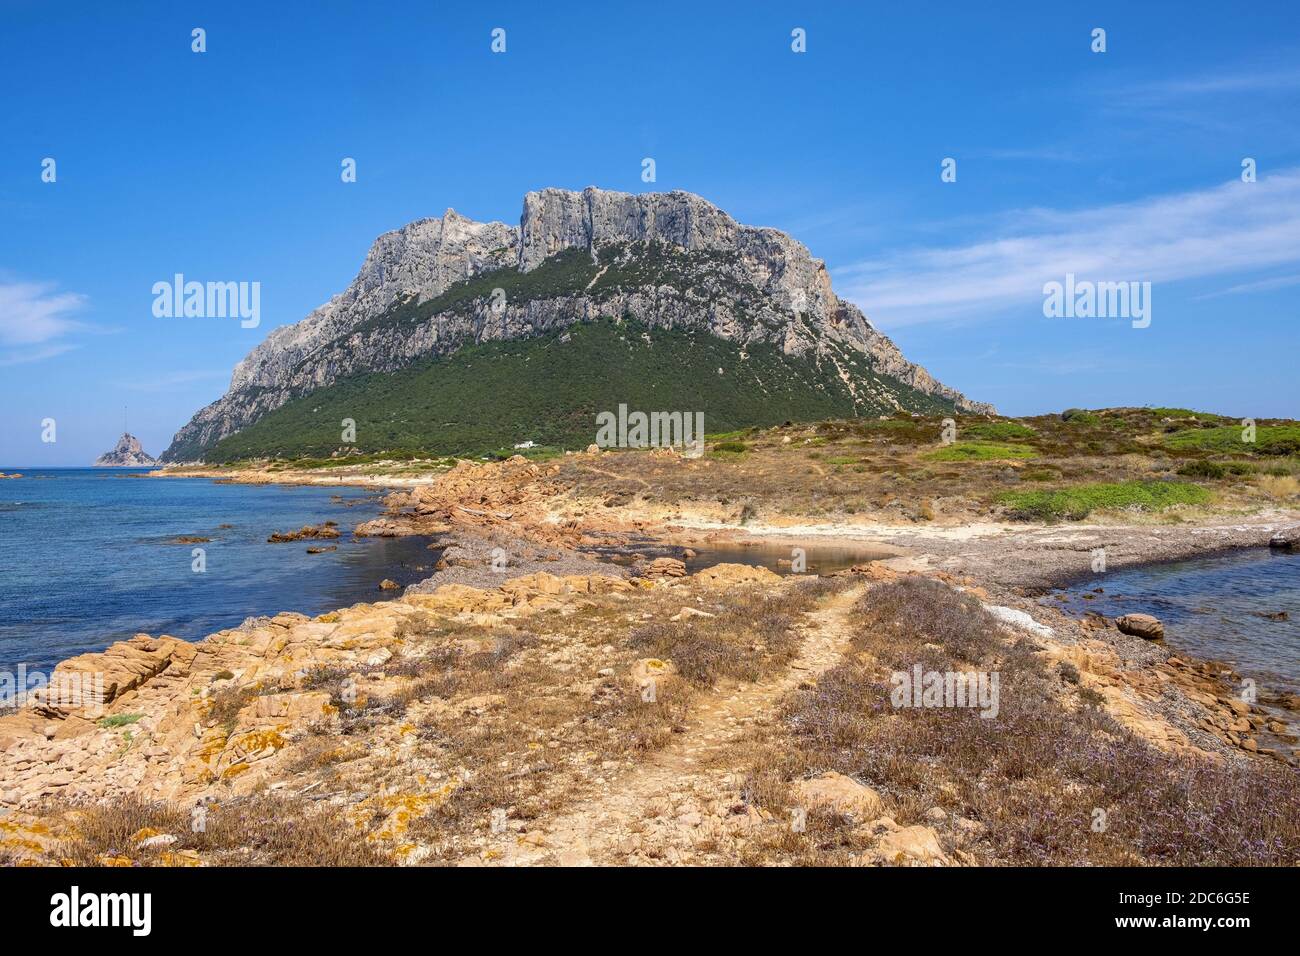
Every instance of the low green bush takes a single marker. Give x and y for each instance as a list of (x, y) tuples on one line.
[(1074, 504)]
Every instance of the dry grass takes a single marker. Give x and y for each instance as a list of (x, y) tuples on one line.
[(1281, 487), (535, 745), (250, 831), (227, 703), (884, 468), (751, 638), (446, 671), (635, 726), (566, 713), (1032, 778)]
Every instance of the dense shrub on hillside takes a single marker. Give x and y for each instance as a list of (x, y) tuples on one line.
[(549, 389)]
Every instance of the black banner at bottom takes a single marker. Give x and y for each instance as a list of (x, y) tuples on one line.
[(338, 905)]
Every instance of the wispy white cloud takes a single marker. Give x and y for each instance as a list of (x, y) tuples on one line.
[(1232, 228), (35, 321), (1245, 81), (37, 354), (1215, 103), (1263, 285)]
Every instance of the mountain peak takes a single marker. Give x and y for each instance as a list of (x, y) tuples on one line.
[(127, 453), (669, 260)]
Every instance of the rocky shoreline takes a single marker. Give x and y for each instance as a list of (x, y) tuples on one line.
[(343, 476), (1036, 558), (516, 518), (257, 709)]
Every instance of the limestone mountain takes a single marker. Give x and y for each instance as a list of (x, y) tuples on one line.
[(674, 267), (127, 453)]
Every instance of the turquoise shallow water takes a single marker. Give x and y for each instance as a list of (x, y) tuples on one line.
[(85, 558), (1213, 608)]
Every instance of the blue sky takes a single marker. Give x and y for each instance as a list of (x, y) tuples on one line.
[(1123, 165)]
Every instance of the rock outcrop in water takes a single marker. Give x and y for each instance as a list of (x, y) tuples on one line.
[(1288, 539), (127, 453), (668, 260)]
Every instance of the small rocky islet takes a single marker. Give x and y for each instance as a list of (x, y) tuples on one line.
[(127, 453)]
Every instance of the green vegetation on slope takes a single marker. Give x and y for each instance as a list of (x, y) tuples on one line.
[(1161, 411), (1074, 504), (980, 451), (118, 720), (997, 431), (1229, 440), (485, 398)]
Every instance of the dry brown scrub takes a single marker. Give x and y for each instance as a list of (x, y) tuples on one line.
[(551, 737), (260, 830), (747, 641), (882, 469), (1024, 788)]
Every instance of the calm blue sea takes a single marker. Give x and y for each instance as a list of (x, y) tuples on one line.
[(86, 558), (1212, 607)]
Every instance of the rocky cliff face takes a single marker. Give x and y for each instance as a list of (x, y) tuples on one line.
[(669, 260), (127, 453)]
